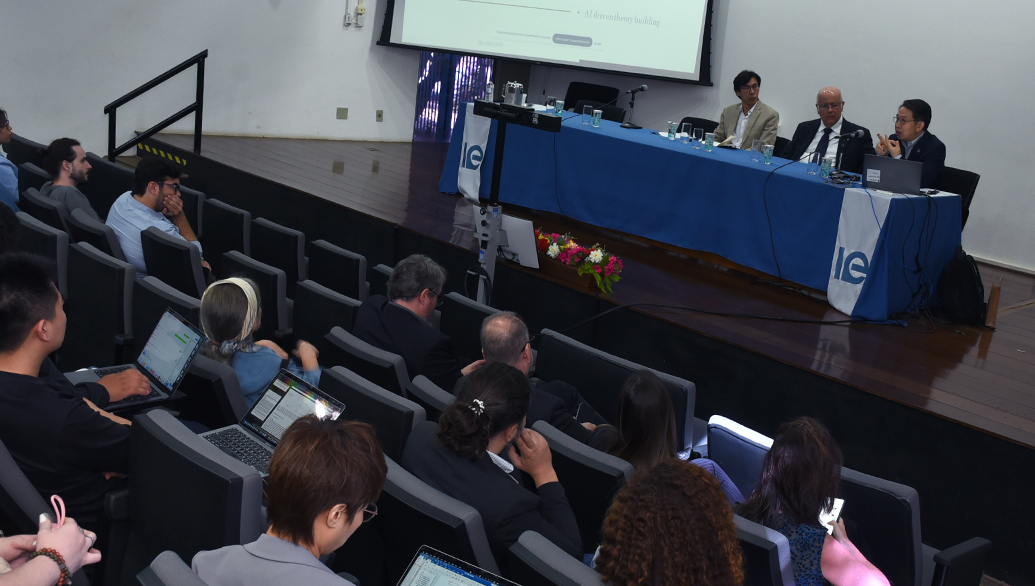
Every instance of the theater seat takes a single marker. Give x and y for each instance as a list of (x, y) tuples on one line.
[(30, 175), (168, 570), (272, 285), (38, 238), (427, 394), (378, 366), (280, 247), (536, 561), (317, 309), (99, 309), (338, 269), (462, 319), (767, 555), (738, 450), (83, 228), (151, 297), (173, 260), (44, 209), (229, 229)]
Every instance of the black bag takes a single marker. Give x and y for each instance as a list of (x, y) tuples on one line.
[(961, 291)]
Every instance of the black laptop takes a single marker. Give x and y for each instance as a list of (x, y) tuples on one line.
[(894, 175)]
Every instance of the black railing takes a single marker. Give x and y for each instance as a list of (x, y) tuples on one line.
[(196, 107)]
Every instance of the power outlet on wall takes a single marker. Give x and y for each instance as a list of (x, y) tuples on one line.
[(342, 114), (380, 116)]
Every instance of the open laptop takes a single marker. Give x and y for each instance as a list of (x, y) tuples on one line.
[(894, 175), (164, 361), (285, 399), (430, 567)]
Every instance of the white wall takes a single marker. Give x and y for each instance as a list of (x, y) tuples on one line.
[(280, 68)]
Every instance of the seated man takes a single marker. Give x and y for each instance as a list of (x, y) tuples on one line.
[(912, 142), (750, 119), (154, 201), (8, 170), (64, 444), (825, 136), (65, 161), (399, 323), (505, 339)]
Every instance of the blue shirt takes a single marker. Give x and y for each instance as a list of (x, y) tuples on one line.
[(128, 218), (256, 369), (9, 183)]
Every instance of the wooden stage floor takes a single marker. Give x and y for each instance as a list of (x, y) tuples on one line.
[(980, 378)]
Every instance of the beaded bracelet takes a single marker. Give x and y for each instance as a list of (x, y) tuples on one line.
[(66, 576)]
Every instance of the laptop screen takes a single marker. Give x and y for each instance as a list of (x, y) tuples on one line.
[(286, 399), (432, 567), (170, 349)]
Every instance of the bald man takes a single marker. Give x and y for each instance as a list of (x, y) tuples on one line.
[(826, 136)]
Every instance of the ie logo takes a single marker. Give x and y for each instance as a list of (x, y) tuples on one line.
[(473, 157), (851, 269)]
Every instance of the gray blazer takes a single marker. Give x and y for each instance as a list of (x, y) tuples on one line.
[(268, 561), (762, 124)]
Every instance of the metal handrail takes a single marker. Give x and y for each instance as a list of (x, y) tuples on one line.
[(196, 107)]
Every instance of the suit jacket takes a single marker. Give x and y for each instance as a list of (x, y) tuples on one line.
[(396, 329), (762, 124), (268, 560), (508, 509), (931, 152), (850, 151)]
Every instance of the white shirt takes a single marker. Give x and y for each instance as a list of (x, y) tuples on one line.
[(742, 122), (835, 130), (502, 463)]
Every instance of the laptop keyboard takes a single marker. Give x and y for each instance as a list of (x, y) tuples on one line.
[(111, 370), (240, 445), (135, 398)]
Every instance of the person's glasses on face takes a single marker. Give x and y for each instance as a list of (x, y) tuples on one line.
[(369, 512), (752, 87), (439, 299), (898, 119), (175, 186), (829, 106)]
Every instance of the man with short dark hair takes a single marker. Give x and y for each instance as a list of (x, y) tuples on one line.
[(153, 201), (505, 339), (65, 161), (824, 137), (64, 444), (912, 142), (399, 323), (750, 119)]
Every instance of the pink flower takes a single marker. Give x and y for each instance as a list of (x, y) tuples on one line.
[(596, 268), (609, 270)]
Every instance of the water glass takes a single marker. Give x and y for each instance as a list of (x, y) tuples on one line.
[(767, 154), (596, 117), (684, 132), (812, 167), (698, 137), (827, 165), (709, 141), (587, 114), (559, 107), (757, 146), (672, 130)]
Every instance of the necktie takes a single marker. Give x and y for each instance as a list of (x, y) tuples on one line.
[(821, 148)]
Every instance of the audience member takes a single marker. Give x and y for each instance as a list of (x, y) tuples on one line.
[(324, 478), (153, 201), (65, 161), (8, 170), (816, 139), (47, 558), (231, 313), (750, 119), (800, 476), (646, 432), (670, 525), (505, 339), (399, 323), (65, 445), (472, 453), (912, 142)]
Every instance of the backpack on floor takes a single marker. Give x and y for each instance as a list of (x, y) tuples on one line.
[(961, 291)]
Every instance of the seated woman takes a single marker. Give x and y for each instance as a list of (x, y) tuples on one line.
[(324, 478), (646, 432), (230, 314), (43, 559), (670, 525), (466, 456), (800, 476)]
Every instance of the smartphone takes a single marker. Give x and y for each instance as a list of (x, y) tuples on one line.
[(828, 517)]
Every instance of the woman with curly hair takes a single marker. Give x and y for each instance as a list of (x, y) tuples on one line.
[(670, 525), (800, 476)]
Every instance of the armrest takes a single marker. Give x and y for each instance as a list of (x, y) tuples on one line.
[(975, 546), (123, 339), (116, 505)]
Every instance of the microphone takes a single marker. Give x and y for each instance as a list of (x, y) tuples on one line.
[(642, 88), (857, 134)]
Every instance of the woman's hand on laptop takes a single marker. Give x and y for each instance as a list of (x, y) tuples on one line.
[(123, 384)]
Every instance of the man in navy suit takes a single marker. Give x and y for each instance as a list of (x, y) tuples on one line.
[(912, 142), (825, 136)]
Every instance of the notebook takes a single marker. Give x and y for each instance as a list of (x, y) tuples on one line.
[(894, 175), (430, 566), (164, 361), (285, 399)]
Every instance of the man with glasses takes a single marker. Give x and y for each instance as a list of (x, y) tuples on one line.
[(399, 323), (153, 201), (912, 142), (750, 119), (8, 170), (826, 136)]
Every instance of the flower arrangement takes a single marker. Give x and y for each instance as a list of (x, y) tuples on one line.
[(605, 267)]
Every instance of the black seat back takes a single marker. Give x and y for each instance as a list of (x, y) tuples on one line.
[(173, 260), (379, 276), (536, 561), (99, 308), (427, 394), (151, 297), (213, 394), (738, 450), (767, 555), (108, 180), (317, 310), (578, 91), (44, 209), (380, 367), (704, 123), (272, 284), (30, 175), (22, 150), (462, 321), (83, 228), (280, 247), (961, 182), (229, 229), (38, 238), (193, 208), (338, 269)]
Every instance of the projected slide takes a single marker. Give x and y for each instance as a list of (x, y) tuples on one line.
[(655, 37)]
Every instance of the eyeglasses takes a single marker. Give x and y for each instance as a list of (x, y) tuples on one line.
[(369, 512), (6, 124), (752, 87), (439, 299), (901, 119), (175, 186), (830, 106)]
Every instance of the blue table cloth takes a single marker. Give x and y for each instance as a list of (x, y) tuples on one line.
[(773, 218)]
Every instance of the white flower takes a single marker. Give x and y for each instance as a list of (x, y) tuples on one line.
[(596, 256), (553, 250)]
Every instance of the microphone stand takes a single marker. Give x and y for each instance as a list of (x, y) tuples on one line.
[(632, 104)]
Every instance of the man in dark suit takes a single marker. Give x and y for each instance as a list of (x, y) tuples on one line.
[(825, 136), (399, 323), (912, 142), (505, 339)]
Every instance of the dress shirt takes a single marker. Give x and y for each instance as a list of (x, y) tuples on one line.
[(742, 122), (835, 130), (128, 218), (907, 147), (8, 182), (503, 464)]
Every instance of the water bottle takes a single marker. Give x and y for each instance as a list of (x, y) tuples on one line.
[(767, 154), (672, 130), (490, 90), (824, 170)]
